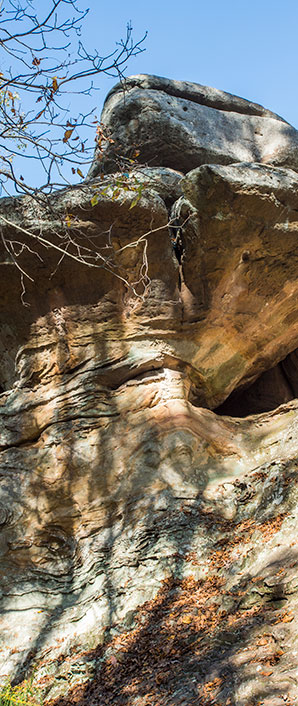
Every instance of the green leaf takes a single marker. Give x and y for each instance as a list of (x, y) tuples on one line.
[(94, 200), (134, 202)]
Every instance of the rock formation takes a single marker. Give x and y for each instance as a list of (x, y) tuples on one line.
[(184, 125), (149, 414)]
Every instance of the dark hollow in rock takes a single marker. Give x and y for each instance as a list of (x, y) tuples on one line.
[(273, 388)]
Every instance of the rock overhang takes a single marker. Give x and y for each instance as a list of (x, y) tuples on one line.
[(236, 267)]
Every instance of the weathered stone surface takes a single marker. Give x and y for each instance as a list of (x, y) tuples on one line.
[(148, 540), (239, 273), (184, 125), (201, 321), (203, 95), (27, 354)]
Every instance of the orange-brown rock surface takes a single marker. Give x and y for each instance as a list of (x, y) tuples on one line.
[(148, 437)]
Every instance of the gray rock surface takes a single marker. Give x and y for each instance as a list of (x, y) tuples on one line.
[(195, 92), (183, 125)]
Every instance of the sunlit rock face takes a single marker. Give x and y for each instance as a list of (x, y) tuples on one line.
[(183, 125), (149, 440)]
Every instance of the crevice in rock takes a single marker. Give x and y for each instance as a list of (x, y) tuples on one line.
[(274, 387), (178, 246), (175, 229)]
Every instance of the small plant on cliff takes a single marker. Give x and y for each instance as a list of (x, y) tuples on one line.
[(24, 694), (125, 179)]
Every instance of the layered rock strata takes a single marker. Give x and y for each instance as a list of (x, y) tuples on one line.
[(148, 436)]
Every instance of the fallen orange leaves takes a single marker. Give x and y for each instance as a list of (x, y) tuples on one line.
[(187, 623)]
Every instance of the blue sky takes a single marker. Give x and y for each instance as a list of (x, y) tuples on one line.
[(246, 47)]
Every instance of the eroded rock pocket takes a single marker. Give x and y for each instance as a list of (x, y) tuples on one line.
[(274, 387)]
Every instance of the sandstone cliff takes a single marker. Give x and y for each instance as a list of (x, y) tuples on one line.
[(149, 412)]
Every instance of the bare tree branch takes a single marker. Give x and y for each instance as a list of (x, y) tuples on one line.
[(49, 62)]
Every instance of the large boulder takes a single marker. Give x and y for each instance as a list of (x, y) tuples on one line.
[(183, 125)]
